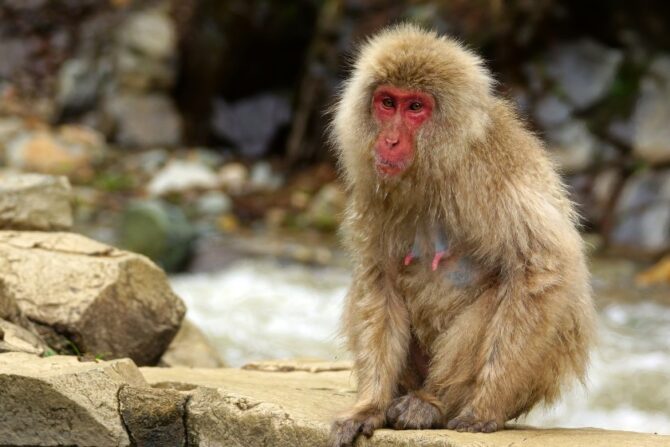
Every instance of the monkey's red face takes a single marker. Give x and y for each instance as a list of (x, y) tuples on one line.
[(400, 114)]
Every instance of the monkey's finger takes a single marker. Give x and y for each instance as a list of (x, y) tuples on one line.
[(454, 423), (344, 433), (475, 428), (368, 428)]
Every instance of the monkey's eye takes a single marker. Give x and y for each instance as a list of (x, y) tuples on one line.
[(415, 106), (388, 103)]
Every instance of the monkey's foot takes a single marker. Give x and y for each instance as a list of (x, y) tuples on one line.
[(468, 422), (411, 412), (344, 431)]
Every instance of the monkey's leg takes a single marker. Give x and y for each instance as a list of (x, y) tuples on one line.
[(447, 376), (513, 354), (379, 334), (415, 408)]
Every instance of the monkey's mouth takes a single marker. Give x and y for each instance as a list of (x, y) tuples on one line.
[(388, 167)]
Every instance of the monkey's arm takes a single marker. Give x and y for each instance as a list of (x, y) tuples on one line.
[(532, 337), (377, 326)]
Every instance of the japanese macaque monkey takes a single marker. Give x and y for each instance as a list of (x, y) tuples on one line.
[(470, 300)]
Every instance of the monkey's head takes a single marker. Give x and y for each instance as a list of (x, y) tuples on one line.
[(413, 105)]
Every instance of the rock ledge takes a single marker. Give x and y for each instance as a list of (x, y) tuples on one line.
[(232, 407)]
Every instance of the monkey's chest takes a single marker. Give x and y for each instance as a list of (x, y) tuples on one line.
[(434, 258)]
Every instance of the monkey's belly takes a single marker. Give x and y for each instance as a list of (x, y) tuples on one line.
[(461, 273), (435, 298)]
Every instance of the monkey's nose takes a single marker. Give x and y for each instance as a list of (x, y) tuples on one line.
[(391, 140)]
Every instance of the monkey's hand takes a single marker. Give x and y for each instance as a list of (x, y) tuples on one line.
[(345, 430)]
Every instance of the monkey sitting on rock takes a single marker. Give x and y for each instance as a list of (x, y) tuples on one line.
[(470, 300)]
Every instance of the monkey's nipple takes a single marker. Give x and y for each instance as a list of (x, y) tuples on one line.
[(437, 258), (408, 259)]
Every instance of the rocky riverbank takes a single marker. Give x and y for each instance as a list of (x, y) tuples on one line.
[(62, 293)]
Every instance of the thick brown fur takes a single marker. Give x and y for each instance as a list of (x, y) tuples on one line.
[(522, 328)]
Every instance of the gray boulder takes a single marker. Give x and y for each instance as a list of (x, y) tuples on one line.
[(89, 297), (144, 121), (14, 338), (34, 202), (572, 146), (584, 70), (158, 230), (642, 215), (651, 117), (191, 348)]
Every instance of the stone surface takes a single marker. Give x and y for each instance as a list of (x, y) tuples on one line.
[(603, 192), (146, 51), (79, 82), (144, 121), (309, 365), (150, 33), (252, 123), (651, 117), (14, 338), (9, 310), (584, 70), (263, 178), (80, 292), (642, 214), (10, 126), (191, 348), (61, 401), (238, 408), (181, 176), (153, 417), (233, 177), (158, 230), (34, 202), (69, 150), (326, 208), (621, 131), (213, 203), (551, 111), (572, 146)]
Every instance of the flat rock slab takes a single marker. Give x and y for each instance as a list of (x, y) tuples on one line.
[(107, 302), (34, 202), (233, 407), (299, 364), (61, 401)]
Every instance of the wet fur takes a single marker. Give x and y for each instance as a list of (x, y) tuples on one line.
[(515, 335)]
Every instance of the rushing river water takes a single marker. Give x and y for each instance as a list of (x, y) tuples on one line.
[(263, 309)]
